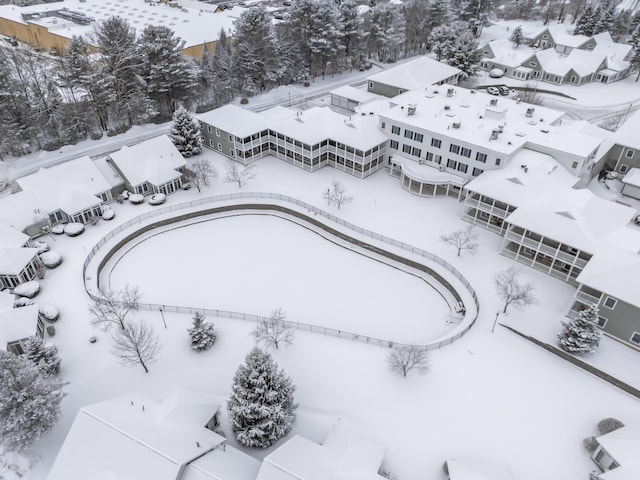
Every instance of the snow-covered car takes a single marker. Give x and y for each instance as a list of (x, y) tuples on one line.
[(496, 73), (493, 90), (504, 90)]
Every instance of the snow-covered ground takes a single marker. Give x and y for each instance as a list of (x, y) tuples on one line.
[(490, 395)]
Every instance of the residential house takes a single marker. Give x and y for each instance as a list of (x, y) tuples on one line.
[(617, 454), (134, 437), (607, 283), (548, 37), (411, 75), (24, 212), (72, 191), (504, 55), (111, 175), (474, 469), (631, 184), (12, 237), (18, 265), (559, 234), (344, 455), (17, 325), (625, 154), (152, 166), (309, 140)]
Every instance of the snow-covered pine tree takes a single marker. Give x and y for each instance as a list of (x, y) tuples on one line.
[(185, 133), (581, 335), (465, 54), (202, 333), (43, 355), (517, 37), (584, 23), (29, 401), (260, 407)]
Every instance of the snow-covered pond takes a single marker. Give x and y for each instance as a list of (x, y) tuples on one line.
[(256, 263)]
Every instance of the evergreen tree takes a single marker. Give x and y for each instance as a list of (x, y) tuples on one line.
[(465, 54), (185, 133), (44, 356), (260, 408), (582, 334), (585, 22), (634, 61), (517, 37), (29, 401), (384, 32), (604, 22), (222, 66), (621, 26), (202, 333), (350, 32)]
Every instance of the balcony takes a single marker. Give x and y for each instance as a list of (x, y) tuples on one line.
[(541, 247), (487, 207), (588, 298)]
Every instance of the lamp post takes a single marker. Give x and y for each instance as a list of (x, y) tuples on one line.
[(289, 99), (162, 313), (328, 196), (495, 321)]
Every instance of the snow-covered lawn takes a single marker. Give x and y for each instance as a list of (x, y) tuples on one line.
[(490, 395)]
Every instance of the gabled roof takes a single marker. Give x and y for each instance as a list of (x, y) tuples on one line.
[(236, 120), (70, 186), (14, 259), (21, 210), (577, 218), (109, 173), (468, 469), (6, 300), (18, 324), (504, 53), (616, 53), (355, 94), (623, 445), (632, 177), (627, 134), (414, 74), (12, 237), (345, 455), (155, 161)]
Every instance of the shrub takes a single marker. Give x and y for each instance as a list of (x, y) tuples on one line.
[(95, 135), (111, 132), (306, 84), (51, 259), (58, 229), (27, 289), (73, 229), (136, 198), (22, 302), (608, 425), (41, 246), (590, 443), (51, 330), (108, 214), (244, 100), (157, 199), (52, 145), (48, 312)]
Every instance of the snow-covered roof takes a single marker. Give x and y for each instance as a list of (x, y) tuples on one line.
[(21, 210), (505, 53), (344, 455), (414, 74), (109, 173), (235, 120), (18, 324), (526, 178), (609, 271), (155, 161), (11, 237), (70, 186), (615, 54), (14, 259), (632, 177), (6, 300), (132, 437), (426, 173), (356, 94), (627, 134), (623, 445), (577, 218), (194, 26), (474, 469)]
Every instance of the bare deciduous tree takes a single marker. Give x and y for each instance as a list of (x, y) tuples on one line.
[(511, 291), (463, 240), (201, 171), (337, 195), (273, 331), (240, 174), (111, 308), (403, 359), (529, 94), (136, 343)]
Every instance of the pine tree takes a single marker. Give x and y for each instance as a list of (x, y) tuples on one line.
[(202, 333), (584, 23), (582, 334), (222, 66), (260, 408), (517, 37), (185, 133), (44, 356), (29, 401)]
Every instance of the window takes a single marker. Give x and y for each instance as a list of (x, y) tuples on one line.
[(477, 171), (438, 159), (219, 147), (574, 165), (629, 153), (209, 128), (231, 152), (382, 125), (416, 152), (610, 303), (430, 156), (451, 163), (635, 338), (462, 167), (230, 138), (211, 143), (371, 84), (453, 148), (217, 132), (601, 321), (573, 78), (624, 168), (498, 160), (436, 143), (481, 157), (406, 148), (408, 134), (599, 456), (465, 152), (393, 144), (418, 137), (395, 130)]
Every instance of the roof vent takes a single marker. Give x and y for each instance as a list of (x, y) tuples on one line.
[(450, 92), (493, 102), (455, 124), (530, 111), (411, 109), (544, 130), (494, 134), (447, 107)]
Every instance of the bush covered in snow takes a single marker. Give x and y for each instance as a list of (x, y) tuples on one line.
[(27, 289), (51, 330), (590, 443), (44, 356), (41, 246), (202, 333), (22, 302), (136, 198), (108, 214), (608, 425), (58, 229), (48, 312), (73, 229), (157, 199), (51, 259), (581, 335)]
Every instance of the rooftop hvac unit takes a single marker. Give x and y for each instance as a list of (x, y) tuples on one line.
[(494, 134), (455, 124), (493, 102), (447, 107), (530, 111), (450, 92), (411, 109), (441, 168)]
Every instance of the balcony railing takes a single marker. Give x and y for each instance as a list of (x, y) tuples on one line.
[(584, 296), (487, 207)]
